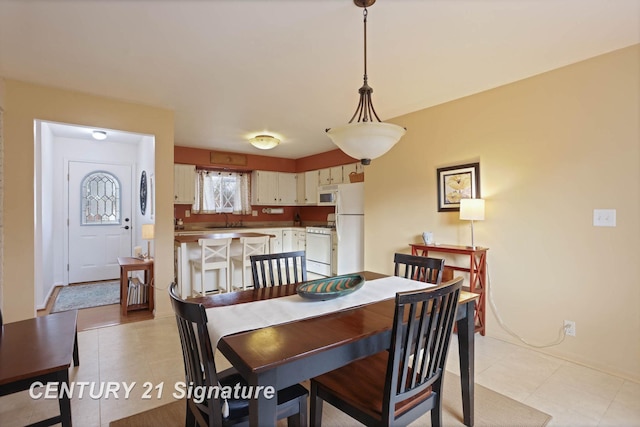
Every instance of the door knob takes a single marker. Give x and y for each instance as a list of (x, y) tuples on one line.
[(126, 227)]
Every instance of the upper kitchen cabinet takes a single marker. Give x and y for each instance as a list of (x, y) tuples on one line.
[(184, 184), (286, 188), (338, 174), (273, 188), (307, 188), (351, 168), (331, 175)]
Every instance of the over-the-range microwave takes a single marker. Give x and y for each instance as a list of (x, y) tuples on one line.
[(327, 195)]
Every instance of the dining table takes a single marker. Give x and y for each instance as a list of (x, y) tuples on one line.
[(186, 248), (40, 350), (282, 354)]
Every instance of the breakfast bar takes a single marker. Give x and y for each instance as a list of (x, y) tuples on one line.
[(182, 246)]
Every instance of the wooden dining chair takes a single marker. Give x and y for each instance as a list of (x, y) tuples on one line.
[(420, 268), (279, 269), (200, 370), (398, 386)]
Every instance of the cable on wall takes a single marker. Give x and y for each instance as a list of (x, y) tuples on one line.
[(562, 333)]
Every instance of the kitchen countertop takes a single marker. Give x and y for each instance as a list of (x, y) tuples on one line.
[(212, 228)]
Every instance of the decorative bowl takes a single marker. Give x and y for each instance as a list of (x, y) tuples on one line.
[(330, 287)]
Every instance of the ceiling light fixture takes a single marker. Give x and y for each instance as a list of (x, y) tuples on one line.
[(264, 142), (366, 139), (100, 135)]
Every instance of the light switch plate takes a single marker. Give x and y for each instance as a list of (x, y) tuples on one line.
[(604, 217)]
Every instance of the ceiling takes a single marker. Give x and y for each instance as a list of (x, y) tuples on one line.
[(231, 69)]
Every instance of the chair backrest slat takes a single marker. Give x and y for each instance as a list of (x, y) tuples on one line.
[(420, 268), (422, 328), (279, 269)]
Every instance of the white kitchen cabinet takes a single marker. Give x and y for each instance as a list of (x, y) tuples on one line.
[(324, 176), (264, 188), (273, 188), (293, 240), (311, 188), (299, 240), (286, 188), (333, 175), (287, 240), (300, 188), (307, 188), (275, 243), (337, 175), (184, 184), (351, 167)]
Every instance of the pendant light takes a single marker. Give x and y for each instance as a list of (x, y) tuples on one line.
[(366, 139)]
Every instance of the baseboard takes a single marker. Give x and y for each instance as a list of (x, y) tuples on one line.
[(48, 298)]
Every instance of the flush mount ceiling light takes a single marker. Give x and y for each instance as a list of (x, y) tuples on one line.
[(264, 142), (99, 135), (366, 139)]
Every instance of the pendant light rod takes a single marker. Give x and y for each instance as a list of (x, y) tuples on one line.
[(365, 111)]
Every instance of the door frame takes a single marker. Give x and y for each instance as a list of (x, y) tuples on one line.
[(65, 201)]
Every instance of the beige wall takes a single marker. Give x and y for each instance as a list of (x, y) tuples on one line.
[(551, 149), (23, 104)]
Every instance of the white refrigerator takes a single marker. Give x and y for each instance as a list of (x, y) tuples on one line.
[(349, 244)]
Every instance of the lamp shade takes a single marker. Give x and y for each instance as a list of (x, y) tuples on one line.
[(264, 142), (147, 231), (472, 209), (366, 140)]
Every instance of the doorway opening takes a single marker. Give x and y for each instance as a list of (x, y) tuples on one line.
[(88, 203)]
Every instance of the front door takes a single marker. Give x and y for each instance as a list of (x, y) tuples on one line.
[(99, 214)]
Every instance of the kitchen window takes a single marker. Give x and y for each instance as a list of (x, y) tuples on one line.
[(222, 192)]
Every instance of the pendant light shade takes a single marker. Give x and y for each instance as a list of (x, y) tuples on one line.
[(369, 137), (366, 140)]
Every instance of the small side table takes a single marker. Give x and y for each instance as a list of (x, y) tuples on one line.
[(477, 272), (128, 264)]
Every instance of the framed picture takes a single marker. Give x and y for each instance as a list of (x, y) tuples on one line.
[(455, 183)]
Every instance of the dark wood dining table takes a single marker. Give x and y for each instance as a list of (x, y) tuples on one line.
[(289, 353), (40, 349)]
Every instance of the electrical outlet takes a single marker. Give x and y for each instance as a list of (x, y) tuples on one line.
[(187, 213), (570, 328), (254, 213), (604, 217)]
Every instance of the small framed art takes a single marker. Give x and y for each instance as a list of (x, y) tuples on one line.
[(456, 183)]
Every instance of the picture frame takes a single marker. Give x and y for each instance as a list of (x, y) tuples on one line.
[(456, 183)]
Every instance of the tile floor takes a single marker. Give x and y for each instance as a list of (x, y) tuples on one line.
[(149, 352)]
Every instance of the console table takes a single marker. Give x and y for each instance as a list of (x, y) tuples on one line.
[(128, 264), (477, 272)]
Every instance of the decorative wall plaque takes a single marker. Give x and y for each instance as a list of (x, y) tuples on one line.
[(143, 192), (235, 159)]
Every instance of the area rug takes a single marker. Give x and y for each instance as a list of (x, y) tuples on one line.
[(86, 296), (491, 409)]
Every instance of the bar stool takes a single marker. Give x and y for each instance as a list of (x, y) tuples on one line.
[(250, 246), (214, 255)]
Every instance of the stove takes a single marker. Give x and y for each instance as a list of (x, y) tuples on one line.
[(321, 229), (320, 242)]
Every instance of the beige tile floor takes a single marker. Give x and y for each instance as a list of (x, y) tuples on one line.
[(149, 352)]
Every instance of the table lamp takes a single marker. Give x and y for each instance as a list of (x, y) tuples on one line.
[(147, 234), (472, 210)]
